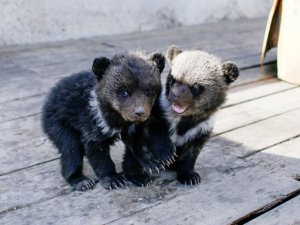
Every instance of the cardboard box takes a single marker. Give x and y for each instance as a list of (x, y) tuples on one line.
[(283, 32)]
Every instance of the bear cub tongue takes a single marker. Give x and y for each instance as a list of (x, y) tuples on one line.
[(178, 109)]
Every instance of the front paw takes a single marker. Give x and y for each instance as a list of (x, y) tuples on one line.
[(165, 154), (140, 180), (83, 183), (149, 163), (191, 178), (113, 181)]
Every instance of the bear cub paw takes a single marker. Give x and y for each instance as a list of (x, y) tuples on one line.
[(113, 181), (83, 183), (191, 178)]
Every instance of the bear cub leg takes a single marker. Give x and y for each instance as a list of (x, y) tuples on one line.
[(104, 167), (184, 166), (148, 150), (71, 149), (133, 170)]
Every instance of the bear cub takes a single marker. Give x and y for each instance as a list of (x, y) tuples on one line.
[(195, 88), (85, 113)]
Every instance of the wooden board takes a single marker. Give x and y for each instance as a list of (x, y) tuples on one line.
[(262, 88), (252, 111), (26, 154), (282, 158), (287, 214), (264, 134), (228, 184), (21, 130)]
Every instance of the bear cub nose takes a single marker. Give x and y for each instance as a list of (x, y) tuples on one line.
[(139, 111)]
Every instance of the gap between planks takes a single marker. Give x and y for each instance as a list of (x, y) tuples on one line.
[(266, 208)]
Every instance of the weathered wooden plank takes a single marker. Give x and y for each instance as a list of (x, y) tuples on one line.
[(253, 111), (31, 184), (247, 92), (251, 75), (195, 34), (84, 49), (264, 134), (23, 107), (25, 154), (189, 31), (66, 51), (283, 158), (45, 179), (287, 213), (229, 183), (210, 207), (221, 27), (23, 87), (17, 131)]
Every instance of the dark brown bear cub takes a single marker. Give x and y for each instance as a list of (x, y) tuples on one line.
[(85, 113)]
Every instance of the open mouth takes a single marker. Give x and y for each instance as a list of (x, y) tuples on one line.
[(178, 109)]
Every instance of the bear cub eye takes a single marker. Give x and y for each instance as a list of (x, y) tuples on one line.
[(196, 89), (123, 93)]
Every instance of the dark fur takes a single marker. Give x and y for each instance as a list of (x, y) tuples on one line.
[(148, 149), (125, 89), (200, 100)]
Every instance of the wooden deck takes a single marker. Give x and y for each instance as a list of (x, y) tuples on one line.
[(250, 167)]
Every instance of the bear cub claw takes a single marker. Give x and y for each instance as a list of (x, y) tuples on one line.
[(153, 162), (191, 178), (84, 183), (166, 155), (114, 181)]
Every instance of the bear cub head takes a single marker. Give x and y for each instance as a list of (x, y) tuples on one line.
[(197, 82), (128, 84)]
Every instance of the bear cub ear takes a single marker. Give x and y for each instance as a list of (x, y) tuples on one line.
[(100, 65), (172, 52), (230, 72), (159, 60)]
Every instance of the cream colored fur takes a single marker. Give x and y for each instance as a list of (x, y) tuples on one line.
[(195, 67)]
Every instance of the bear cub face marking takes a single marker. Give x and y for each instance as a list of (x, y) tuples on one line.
[(197, 82)]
